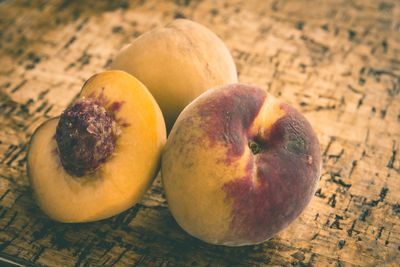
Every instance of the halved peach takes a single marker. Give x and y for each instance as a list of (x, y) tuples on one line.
[(98, 158)]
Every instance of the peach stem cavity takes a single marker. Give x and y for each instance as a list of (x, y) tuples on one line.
[(85, 137), (254, 146)]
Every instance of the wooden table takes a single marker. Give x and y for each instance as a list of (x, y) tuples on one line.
[(336, 61)]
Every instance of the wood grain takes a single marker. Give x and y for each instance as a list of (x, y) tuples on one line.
[(336, 61)]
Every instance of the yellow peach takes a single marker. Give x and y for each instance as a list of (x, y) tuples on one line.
[(98, 158), (177, 63)]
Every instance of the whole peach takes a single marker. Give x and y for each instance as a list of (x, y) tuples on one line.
[(177, 63), (239, 166)]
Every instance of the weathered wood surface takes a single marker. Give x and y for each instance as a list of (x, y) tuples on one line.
[(337, 61)]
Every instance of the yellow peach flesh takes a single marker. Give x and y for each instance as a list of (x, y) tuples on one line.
[(122, 180)]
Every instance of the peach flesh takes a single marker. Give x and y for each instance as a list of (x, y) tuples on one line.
[(126, 174)]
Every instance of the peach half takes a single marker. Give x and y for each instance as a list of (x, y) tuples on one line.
[(239, 166), (98, 158), (177, 63)]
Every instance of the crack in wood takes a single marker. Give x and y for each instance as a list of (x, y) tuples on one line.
[(353, 166), (336, 222), (319, 194), (392, 159), (351, 230), (336, 157), (332, 201), (333, 178), (364, 215), (19, 86), (341, 243)]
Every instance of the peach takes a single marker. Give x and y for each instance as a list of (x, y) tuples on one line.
[(177, 63), (99, 157), (239, 166)]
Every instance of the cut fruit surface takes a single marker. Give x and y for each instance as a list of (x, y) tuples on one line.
[(124, 177)]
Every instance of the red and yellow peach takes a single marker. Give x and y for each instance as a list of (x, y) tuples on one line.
[(239, 166)]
